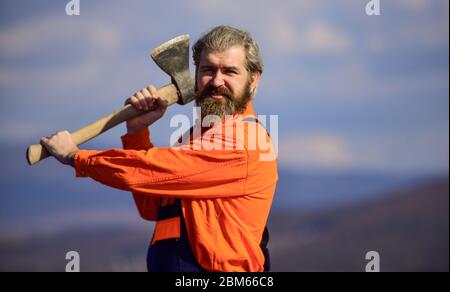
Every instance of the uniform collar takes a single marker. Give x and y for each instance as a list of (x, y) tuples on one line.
[(249, 111)]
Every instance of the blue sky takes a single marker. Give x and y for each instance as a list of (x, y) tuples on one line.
[(352, 92)]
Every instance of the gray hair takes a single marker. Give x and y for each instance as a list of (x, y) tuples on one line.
[(224, 37)]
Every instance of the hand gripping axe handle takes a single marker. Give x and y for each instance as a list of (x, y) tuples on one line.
[(173, 58)]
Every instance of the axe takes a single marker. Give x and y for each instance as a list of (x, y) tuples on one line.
[(173, 58)]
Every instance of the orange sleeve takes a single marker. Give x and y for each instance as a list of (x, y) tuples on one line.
[(146, 205), (168, 172), (137, 141)]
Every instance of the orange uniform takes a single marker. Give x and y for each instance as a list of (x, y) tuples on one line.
[(226, 194)]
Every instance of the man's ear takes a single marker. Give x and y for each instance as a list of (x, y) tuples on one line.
[(255, 83), (195, 78)]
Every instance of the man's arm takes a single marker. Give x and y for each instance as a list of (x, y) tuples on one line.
[(61, 146), (146, 205), (172, 172)]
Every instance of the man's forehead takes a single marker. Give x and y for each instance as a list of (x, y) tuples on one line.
[(233, 56)]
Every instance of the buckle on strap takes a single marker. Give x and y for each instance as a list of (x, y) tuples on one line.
[(167, 229), (168, 222)]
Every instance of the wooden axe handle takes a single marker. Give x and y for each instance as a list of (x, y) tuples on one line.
[(37, 152)]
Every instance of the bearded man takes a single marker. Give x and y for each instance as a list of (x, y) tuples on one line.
[(210, 205)]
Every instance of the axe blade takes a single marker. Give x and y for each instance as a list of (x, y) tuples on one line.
[(173, 58)]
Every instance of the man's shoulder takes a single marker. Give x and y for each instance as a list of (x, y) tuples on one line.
[(249, 133)]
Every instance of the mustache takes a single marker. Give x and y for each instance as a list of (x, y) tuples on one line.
[(210, 90)]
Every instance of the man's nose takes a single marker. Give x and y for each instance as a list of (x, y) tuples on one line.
[(217, 80)]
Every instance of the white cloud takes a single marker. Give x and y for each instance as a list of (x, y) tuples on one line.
[(97, 66), (283, 36), (376, 43), (27, 38), (420, 24), (316, 151), (429, 34), (261, 11), (417, 151), (288, 27), (321, 37), (415, 5), (316, 38), (349, 80), (54, 33), (68, 76)]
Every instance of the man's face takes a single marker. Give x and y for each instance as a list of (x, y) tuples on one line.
[(224, 86)]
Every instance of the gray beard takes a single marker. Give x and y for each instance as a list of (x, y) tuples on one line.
[(225, 106), (221, 108)]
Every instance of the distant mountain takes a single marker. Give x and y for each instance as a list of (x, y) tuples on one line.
[(109, 249), (314, 223), (316, 190), (409, 229), (43, 193)]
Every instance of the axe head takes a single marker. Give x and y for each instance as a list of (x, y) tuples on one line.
[(173, 58)]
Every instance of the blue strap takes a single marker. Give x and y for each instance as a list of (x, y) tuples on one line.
[(251, 119), (169, 211)]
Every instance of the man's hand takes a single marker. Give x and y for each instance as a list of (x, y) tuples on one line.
[(146, 100), (61, 146)]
